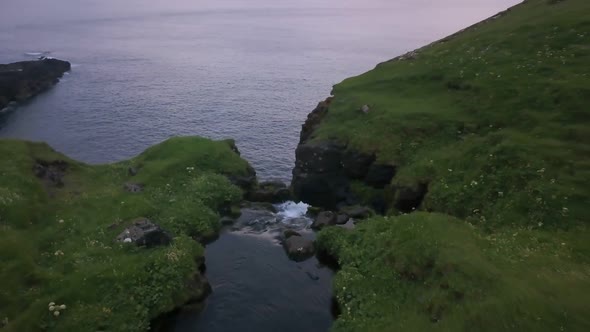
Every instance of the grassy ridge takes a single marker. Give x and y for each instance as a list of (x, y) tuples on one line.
[(496, 121), (57, 244)]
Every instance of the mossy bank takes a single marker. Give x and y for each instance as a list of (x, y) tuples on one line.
[(484, 135), (59, 220)]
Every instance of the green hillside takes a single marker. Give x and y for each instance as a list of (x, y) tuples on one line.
[(496, 121), (58, 230)]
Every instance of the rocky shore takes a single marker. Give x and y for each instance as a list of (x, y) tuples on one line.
[(20, 81)]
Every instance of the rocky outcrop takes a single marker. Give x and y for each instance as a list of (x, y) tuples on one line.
[(143, 232), (269, 191), (325, 169), (23, 80)]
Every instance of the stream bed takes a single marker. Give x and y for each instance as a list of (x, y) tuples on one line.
[(256, 287)]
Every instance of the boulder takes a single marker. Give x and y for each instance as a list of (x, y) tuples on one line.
[(289, 232), (325, 218), (133, 187), (143, 232), (270, 191), (357, 212), (342, 219), (298, 248)]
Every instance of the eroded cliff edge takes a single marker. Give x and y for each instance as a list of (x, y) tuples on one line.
[(23, 80), (331, 174)]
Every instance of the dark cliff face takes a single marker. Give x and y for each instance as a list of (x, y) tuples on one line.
[(20, 81), (326, 169)]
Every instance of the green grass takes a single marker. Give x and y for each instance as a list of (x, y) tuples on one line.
[(429, 271), (503, 105), (57, 244), (496, 120)]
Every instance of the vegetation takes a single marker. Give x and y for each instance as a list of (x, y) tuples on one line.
[(57, 243), (495, 120)]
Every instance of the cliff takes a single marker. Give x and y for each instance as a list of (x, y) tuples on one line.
[(474, 150), (109, 247), (23, 80)]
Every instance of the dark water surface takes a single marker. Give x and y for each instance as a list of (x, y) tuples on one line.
[(145, 70)]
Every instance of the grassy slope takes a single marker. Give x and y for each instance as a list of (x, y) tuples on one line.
[(496, 119), (106, 286)]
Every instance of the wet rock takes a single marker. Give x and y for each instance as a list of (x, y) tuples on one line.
[(257, 219), (312, 276), (23, 80), (357, 212), (289, 232), (325, 218), (342, 219), (226, 221), (51, 172), (143, 232), (379, 176), (265, 206), (299, 248), (270, 191), (323, 190), (133, 187)]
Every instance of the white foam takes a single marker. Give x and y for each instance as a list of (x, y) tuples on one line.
[(292, 210)]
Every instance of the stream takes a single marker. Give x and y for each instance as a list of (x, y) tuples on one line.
[(248, 259)]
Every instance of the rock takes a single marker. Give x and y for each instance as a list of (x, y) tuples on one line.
[(299, 248), (325, 218), (312, 276), (132, 171), (356, 164), (264, 206), (246, 181), (133, 187), (320, 157), (313, 120), (342, 219), (226, 221), (254, 219), (23, 80), (365, 109), (51, 172), (289, 232), (324, 169), (380, 176), (270, 191), (357, 212), (409, 198), (143, 232)]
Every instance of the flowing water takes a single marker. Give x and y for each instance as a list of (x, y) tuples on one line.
[(145, 70)]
